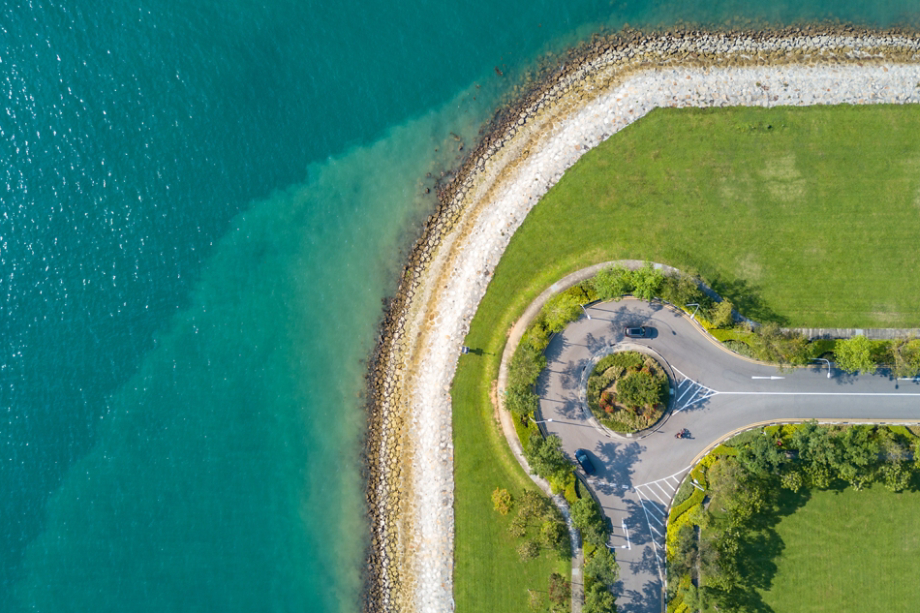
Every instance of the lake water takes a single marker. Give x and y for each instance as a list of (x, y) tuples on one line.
[(201, 207)]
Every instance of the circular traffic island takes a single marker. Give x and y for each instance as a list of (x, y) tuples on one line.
[(627, 391)]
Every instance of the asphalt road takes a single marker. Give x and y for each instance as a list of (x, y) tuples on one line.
[(717, 393)]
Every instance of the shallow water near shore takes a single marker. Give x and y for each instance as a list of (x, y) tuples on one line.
[(202, 209)]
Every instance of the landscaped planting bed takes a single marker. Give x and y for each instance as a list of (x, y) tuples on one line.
[(627, 391)]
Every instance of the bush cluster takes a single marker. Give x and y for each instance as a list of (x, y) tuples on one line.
[(601, 570), (858, 354), (538, 523), (741, 480)]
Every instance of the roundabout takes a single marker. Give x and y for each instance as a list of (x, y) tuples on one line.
[(714, 394)]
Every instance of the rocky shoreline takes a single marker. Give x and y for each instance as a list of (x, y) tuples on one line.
[(599, 89)]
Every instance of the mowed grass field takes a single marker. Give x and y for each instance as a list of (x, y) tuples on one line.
[(807, 216), (848, 551)]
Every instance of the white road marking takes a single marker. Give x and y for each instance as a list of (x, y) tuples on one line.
[(773, 378), (656, 496), (663, 491), (655, 546), (626, 532), (686, 389)]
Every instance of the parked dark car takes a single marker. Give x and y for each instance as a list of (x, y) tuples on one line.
[(637, 332), (586, 465)]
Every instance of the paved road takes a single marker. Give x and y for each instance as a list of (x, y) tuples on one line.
[(717, 393)]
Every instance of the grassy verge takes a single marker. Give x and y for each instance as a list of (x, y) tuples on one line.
[(785, 212), (488, 574)]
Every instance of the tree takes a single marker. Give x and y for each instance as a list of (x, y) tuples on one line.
[(545, 455), (520, 400), (858, 445), (762, 455), (721, 314), (555, 535), (854, 355), (792, 480), (518, 525), (533, 505), (612, 283), (560, 590), (585, 512), (586, 516), (681, 289), (598, 599), (526, 366), (603, 567), (638, 389), (501, 500), (528, 550), (562, 309), (647, 281)]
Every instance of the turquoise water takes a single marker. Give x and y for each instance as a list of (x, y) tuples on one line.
[(201, 206)]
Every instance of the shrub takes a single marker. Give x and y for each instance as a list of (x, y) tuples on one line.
[(694, 500), (612, 283), (518, 525), (854, 355), (502, 501), (896, 477), (638, 389), (792, 480)]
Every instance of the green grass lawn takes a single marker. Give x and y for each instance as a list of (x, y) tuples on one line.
[(808, 216), (488, 574), (848, 551)]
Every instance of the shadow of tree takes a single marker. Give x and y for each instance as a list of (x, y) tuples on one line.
[(555, 348), (618, 459), (747, 299), (649, 599), (759, 548)]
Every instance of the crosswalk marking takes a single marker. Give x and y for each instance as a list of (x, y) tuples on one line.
[(690, 392), (656, 509)]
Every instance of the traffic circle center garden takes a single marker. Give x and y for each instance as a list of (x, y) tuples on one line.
[(627, 391)]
